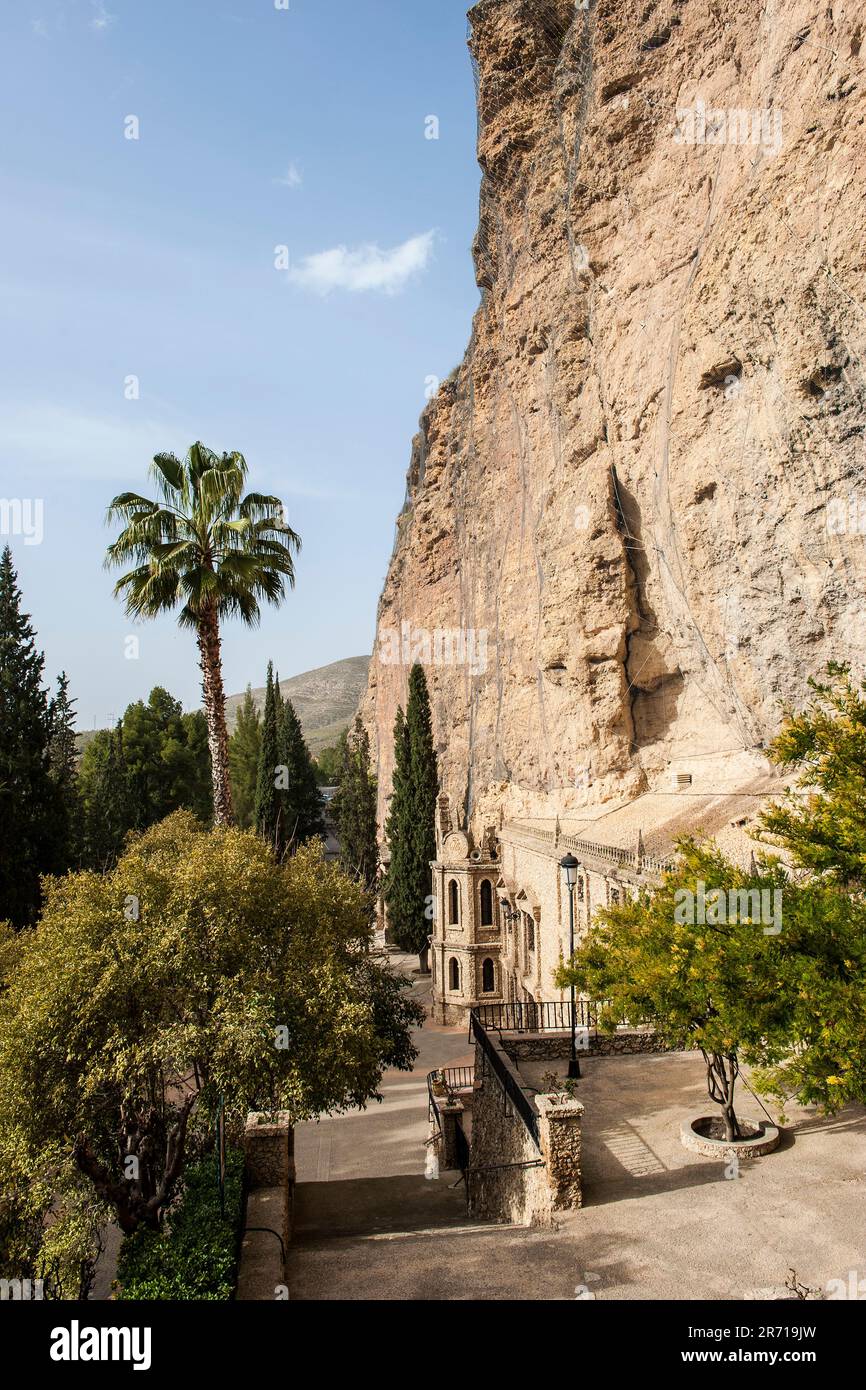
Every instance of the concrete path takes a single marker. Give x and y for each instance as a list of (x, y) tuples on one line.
[(369, 1225), (658, 1222), (661, 1222)]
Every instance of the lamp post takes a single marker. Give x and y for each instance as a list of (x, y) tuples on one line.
[(570, 867)]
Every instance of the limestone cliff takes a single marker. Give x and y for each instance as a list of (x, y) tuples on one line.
[(641, 485)]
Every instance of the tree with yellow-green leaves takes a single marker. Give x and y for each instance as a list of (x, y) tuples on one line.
[(199, 971), (820, 822), (748, 967)]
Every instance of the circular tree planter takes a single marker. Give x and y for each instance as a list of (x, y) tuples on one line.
[(705, 1135)]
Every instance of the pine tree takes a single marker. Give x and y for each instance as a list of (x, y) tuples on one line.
[(268, 805), (354, 808), (302, 801), (196, 786), (109, 810), (25, 780), (244, 748), (67, 815), (410, 827)]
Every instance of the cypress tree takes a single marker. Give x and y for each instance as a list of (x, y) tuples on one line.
[(25, 780), (244, 747), (354, 808), (301, 798), (278, 699), (398, 878), (268, 807), (425, 790), (410, 827), (67, 827)]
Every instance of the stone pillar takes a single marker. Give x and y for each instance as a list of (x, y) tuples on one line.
[(269, 1162), (269, 1168), (559, 1129), (450, 1116)]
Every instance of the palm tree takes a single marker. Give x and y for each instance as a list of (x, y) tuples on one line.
[(205, 546)]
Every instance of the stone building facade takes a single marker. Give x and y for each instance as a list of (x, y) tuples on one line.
[(465, 958), (501, 906)]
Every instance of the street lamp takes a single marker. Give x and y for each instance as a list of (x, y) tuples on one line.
[(570, 867)]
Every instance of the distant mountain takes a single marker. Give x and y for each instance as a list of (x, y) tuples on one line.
[(325, 700)]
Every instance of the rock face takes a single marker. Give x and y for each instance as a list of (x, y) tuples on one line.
[(643, 492)]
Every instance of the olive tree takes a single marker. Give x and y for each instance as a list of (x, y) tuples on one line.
[(198, 973)]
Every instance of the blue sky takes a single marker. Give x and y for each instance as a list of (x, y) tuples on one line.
[(155, 258)]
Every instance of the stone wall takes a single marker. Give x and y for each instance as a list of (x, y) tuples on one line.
[(543, 1046), (269, 1173), (512, 1178), (561, 1117), (499, 1137)]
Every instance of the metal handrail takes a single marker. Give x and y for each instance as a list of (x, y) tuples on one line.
[(552, 1016), (432, 1107), (458, 1078), (518, 1098), (453, 1079)]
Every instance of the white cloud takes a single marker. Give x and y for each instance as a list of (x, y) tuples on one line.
[(42, 443), (292, 178), (101, 19), (53, 441), (365, 268), (40, 28)]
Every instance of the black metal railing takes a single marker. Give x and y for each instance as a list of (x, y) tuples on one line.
[(452, 1079), (518, 1097), (458, 1078), (550, 1017), (432, 1107)]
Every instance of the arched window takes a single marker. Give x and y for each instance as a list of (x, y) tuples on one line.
[(486, 903), (453, 903), (454, 973), (529, 922), (488, 979)]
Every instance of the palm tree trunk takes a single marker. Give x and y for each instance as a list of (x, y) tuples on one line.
[(209, 645)]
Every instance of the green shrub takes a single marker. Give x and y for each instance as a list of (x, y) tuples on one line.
[(194, 1256)]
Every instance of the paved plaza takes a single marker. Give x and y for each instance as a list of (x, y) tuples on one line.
[(658, 1221)]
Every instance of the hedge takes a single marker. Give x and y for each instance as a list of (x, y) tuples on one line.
[(194, 1256)]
